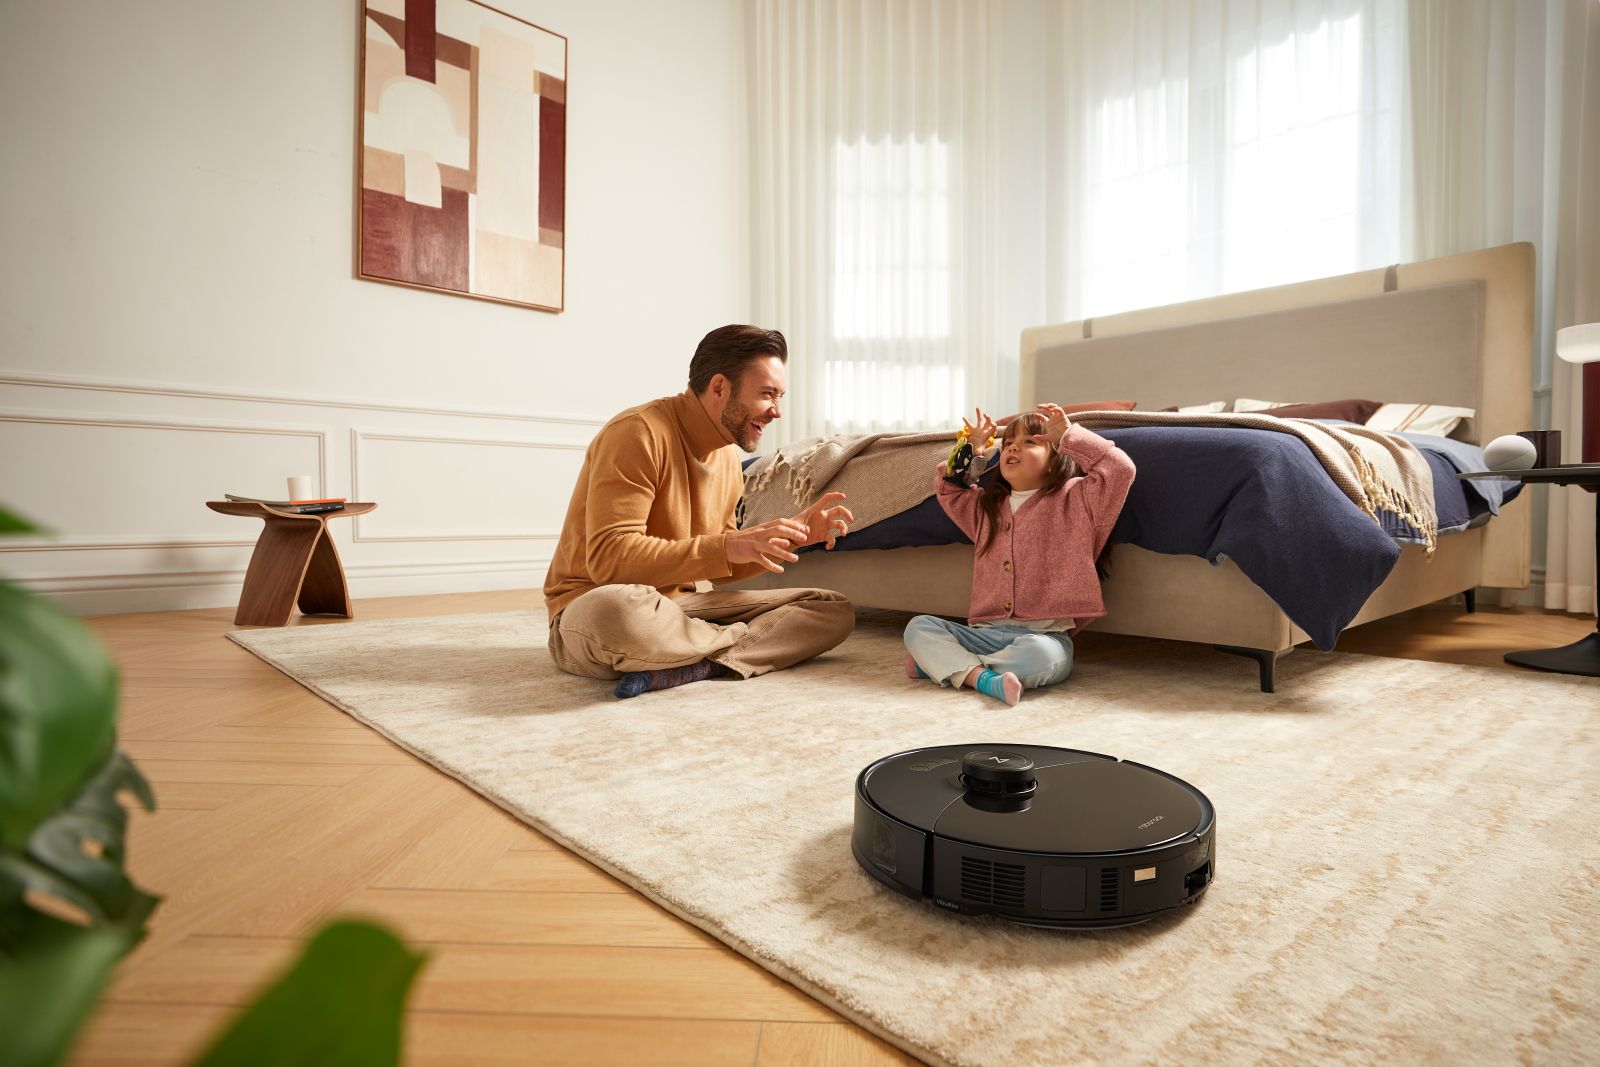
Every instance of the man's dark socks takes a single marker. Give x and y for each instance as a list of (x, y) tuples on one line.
[(635, 682)]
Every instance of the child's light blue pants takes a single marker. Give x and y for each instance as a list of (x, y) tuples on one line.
[(946, 650)]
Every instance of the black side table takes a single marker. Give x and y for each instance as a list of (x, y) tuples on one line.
[(1580, 657)]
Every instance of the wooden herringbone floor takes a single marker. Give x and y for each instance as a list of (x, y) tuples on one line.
[(278, 811)]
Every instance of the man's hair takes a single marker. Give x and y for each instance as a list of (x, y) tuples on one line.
[(727, 349)]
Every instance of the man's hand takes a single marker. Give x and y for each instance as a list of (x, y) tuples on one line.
[(766, 543), (1056, 423), (825, 521)]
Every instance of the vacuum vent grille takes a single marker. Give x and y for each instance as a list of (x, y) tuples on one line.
[(1110, 886), (997, 884)]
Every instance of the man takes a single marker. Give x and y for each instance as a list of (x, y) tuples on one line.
[(651, 523)]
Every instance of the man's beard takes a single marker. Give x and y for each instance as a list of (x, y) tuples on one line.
[(740, 426)]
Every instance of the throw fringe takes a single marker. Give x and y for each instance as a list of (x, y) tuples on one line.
[(797, 471), (1381, 493)]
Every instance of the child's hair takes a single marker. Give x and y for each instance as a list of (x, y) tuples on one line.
[(1056, 474)]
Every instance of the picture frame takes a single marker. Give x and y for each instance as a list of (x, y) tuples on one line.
[(462, 149)]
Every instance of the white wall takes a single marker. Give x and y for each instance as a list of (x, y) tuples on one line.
[(179, 316)]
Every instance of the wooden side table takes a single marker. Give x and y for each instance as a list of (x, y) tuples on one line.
[(294, 561), (1580, 657)]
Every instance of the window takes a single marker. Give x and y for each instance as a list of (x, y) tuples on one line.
[(1266, 155), (891, 240), (890, 362)]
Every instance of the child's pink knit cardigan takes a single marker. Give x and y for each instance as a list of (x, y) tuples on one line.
[(1040, 564)]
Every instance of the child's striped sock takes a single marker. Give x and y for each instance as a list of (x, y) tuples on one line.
[(1005, 687), (912, 668)]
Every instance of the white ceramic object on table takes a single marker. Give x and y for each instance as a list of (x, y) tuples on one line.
[(1509, 453)]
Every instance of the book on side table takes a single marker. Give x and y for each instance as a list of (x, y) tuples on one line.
[(299, 507)]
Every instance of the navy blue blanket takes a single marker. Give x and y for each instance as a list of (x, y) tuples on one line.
[(1256, 497)]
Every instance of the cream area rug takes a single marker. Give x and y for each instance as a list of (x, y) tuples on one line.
[(1408, 859)]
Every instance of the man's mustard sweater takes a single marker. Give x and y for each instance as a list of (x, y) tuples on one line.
[(654, 501)]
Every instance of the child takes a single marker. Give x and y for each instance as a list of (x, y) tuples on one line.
[(1038, 527)]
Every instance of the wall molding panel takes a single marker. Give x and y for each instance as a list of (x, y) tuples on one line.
[(65, 381), (471, 504), (474, 491), (39, 465)]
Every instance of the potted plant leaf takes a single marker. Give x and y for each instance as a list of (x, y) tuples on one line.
[(69, 912)]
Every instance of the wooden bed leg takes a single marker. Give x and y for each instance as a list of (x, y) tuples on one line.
[(1471, 597), (1265, 659)]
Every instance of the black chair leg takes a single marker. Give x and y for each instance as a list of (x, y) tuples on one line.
[(1471, 597), (1264, 659)]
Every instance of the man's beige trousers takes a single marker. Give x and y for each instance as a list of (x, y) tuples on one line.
[(614, 629)]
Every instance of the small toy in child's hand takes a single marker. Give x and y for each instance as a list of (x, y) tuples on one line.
[(961, 456)]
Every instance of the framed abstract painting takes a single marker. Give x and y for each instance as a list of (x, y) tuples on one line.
[(463, 166)]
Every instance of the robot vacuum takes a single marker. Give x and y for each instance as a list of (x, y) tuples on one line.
[(1041, 836)]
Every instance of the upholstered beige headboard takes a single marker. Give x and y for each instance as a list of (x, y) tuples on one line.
[(1456, 330)]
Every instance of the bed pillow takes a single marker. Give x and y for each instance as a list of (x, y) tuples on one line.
[(1436, 419), (1243, 405), (1348, 410), (1201, 409), (1099, 405)]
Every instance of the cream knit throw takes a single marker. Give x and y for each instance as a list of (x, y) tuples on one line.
[(884, 474), (881, 474)]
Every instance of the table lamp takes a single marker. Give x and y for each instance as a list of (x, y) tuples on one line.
[(1581, 345)]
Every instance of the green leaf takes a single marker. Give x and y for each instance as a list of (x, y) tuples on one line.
[(63, 830), (96, 814), (77, 855), (45, 997), (342, 1002), (12, 523), (58, 706)]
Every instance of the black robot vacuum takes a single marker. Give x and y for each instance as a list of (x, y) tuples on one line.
[(1040, 836)]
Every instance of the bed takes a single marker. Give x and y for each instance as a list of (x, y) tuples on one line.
[(1454, 331)]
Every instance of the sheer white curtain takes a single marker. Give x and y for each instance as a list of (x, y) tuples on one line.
[(1503, 137), (1571, 583), (873, 157), (1208, 146), (1462, 178)]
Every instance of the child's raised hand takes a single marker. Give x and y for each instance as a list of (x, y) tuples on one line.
[(1056, 422), (981, 431)]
